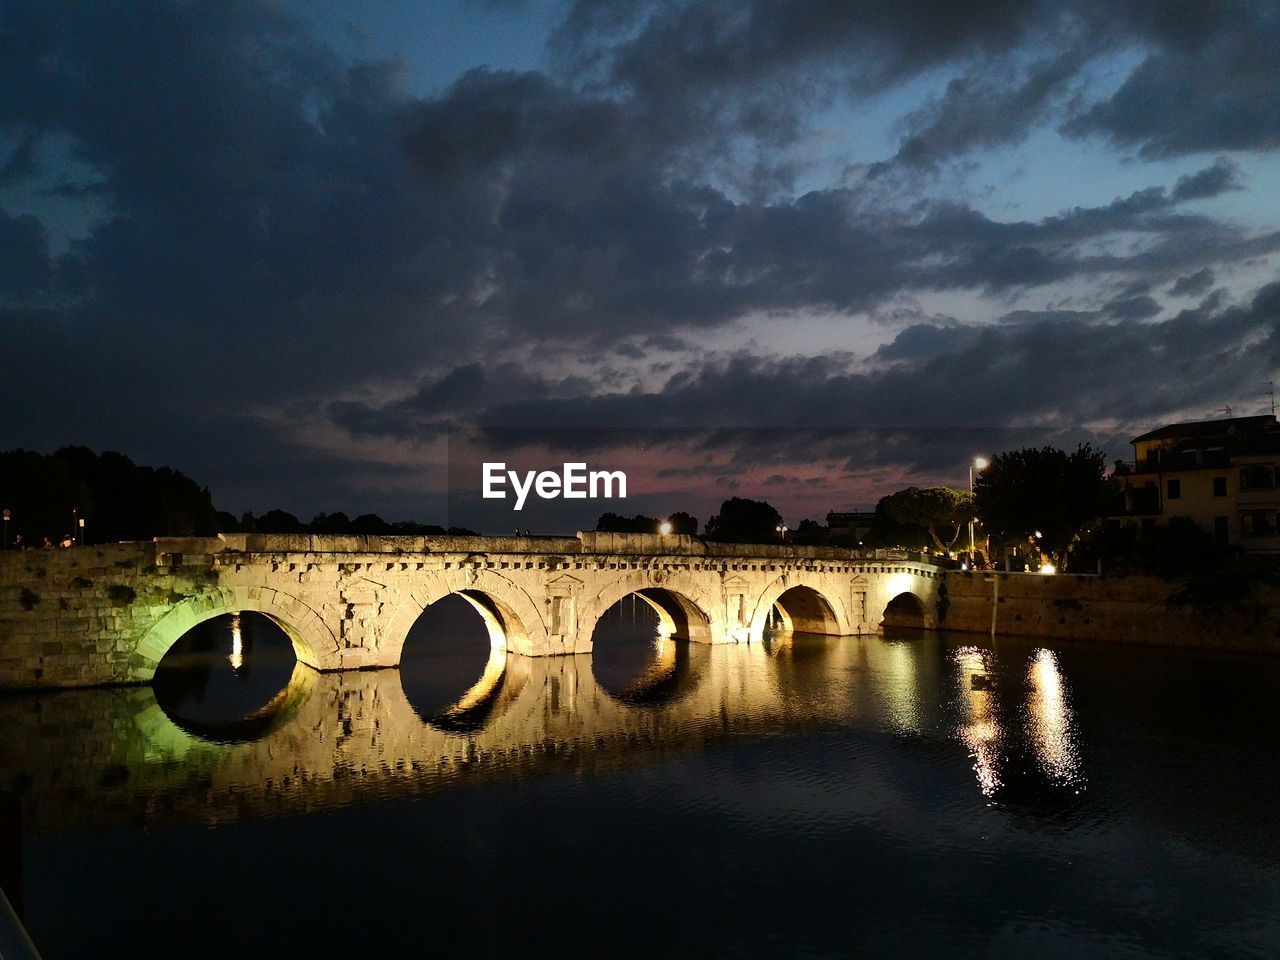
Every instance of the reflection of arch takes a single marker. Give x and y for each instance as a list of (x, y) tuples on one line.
[(672, 674), (679, 601), (313, 642), (476, 707), (509, 614), (904, 612), (268, 718), (803, 610)]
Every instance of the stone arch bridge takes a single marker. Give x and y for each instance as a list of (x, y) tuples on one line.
[(107, 614)]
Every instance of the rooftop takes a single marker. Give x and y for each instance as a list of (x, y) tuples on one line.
[(1206, 429)]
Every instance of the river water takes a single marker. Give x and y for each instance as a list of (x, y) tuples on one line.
[(916, 796)]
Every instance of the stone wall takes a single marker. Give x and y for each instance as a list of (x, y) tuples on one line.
[(1134, 610), (102, 615)]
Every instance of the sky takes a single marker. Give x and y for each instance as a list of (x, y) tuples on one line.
[(805, 252)]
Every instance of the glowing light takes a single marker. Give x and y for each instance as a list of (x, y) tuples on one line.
[(980, 732), (237, 644), (1048, 569), (980, 463), (1050, 720), (900, 583), (664, 528)]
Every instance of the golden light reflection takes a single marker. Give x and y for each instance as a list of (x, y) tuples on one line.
[(980, 727), (899, 688), (1050, 720), (237, 643)]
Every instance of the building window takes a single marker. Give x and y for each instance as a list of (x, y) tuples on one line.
[(1258, 523), (1173, 490), (1258, 476), (1220, 487)]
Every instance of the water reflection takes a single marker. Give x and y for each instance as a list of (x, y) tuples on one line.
[(1051, 728), (227, 676), (638, 661), (979, 727), (332, 739)]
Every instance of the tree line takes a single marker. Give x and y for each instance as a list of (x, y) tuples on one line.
[(1040, 502)]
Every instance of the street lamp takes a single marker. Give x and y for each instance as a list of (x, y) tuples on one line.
[(82, 541), (981, 464), (782, 531), (664, 527)]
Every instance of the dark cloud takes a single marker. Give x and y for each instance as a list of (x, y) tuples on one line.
[(1193, 283), (1133, 308), (1211, 86), (276, 229), (1224, 175)]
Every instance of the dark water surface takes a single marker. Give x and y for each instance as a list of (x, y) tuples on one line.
[(923, 796)]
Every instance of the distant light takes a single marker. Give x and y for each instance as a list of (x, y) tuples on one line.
[(1048, 569), (664, 528), (237, 644), (981, 463), (1039, 535)]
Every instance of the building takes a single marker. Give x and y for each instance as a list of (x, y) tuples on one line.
[(851, 526), (1221, 474)]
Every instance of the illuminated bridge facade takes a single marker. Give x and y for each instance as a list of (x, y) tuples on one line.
[(108, 614)]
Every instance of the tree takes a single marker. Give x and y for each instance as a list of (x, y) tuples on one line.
[(745, 521), (811, 532), (615, 523), (684, 523), (934, 509), (1045, 496), (887, 532)]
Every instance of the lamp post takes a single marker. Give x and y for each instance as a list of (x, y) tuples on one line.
[(781, 531), (981, 464), (6, 527), (664, 527), (82, 540)]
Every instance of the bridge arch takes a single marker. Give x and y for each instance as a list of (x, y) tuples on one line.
[(313, 642), (681, 603), (904, 611), (804, 609), (510, 616)]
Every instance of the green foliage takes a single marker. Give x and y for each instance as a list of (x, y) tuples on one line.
[(745, 521), (933, 509), (1046, 490)]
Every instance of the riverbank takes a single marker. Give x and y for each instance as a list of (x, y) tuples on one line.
[(1130, 610)]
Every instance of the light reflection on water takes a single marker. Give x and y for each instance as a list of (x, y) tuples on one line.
[(1071, 801)]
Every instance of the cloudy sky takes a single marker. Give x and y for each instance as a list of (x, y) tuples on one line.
[(805, 251)]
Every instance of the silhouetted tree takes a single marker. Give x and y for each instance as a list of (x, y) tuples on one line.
[(278, 521), (118, 499), (934, 509), (331, 523), (683, 523), (887, 532), (745, 521), (614, 523), (811, 532), (1046, 491)]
